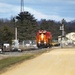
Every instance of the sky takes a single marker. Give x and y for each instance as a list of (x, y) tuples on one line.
[(40, 9)]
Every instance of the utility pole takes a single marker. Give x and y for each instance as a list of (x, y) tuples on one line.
[(16, 33), (15, 41), (22, 5), (15, 20)]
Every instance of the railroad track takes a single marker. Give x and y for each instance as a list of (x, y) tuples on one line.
[(30, 49), (26, 51)]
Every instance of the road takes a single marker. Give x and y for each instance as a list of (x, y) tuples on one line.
[(55, 62)]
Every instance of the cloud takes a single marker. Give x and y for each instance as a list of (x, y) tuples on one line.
[(49, 1), (38, 15), (71, 1), (7, 10), (4, 8)]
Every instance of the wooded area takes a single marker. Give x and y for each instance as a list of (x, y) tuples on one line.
[(27, 27)]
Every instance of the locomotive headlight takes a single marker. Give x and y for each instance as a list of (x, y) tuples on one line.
[(39, 42), (42, 36), (44, 42)]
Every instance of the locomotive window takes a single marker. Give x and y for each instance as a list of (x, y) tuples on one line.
[(42, 33)]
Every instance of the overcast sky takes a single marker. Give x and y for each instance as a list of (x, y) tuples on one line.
[(41, 9)]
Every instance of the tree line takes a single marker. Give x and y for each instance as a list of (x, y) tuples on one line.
[(27, 27)]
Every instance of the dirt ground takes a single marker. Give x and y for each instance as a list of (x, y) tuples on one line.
[(55, 62)]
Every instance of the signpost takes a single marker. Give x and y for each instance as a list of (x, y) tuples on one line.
[(62, 32)]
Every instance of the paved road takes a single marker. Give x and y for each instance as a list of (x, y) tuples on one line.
[(54, 62)]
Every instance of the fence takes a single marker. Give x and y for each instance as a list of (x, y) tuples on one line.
[(27, 44)]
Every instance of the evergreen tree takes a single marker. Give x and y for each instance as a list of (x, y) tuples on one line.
[(6, 34), (51, 26), (27, 26)]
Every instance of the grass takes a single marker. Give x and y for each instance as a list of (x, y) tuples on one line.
[(10, 61), (7, 62)]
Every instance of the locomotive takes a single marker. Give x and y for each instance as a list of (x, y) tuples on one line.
[(43, 39)]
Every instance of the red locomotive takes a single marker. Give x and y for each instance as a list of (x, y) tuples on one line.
[(43, 39)]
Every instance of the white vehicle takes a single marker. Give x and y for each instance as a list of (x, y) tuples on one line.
[(15, 45)]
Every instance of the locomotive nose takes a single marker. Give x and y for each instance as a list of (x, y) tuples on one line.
[(42, 36)]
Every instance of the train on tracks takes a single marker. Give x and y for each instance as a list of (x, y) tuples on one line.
[(43, 39)]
